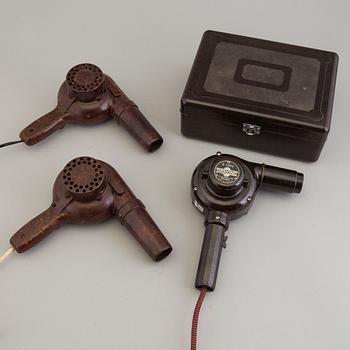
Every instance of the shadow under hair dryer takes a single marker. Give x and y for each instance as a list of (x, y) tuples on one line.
[(89, 97), (88, 191), (223, 189)]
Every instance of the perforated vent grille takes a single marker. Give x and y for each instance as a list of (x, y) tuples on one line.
[(85, 77), (83, 175)]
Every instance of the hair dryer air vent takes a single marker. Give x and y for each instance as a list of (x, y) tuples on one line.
[(86, 81), (84, 178)]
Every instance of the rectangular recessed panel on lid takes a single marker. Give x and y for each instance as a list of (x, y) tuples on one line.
[(261, 75)]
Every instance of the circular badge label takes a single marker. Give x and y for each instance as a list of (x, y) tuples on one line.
[(227, 172)]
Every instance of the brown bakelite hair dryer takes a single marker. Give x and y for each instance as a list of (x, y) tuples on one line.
[(89, 97), (88, 191)]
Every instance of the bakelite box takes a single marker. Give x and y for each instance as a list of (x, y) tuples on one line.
[(261, 95)]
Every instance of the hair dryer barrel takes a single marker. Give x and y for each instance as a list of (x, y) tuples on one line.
[(280, 179), (128, 115), (140, 128), (137, 220)]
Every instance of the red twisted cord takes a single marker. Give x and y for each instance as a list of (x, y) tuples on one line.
[(195, 318)]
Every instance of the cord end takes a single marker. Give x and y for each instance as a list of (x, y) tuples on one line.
[(10, 143), (196, 318), (6, 254)]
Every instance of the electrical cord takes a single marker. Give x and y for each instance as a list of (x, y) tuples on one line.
[(10, 143), (6, 254), (195, 318)]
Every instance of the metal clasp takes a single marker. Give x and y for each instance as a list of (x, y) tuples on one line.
[(251, 129)]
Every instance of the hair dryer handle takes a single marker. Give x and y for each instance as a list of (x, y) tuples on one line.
[(214, 240), (37, 229), (43, 127), (135, 217)]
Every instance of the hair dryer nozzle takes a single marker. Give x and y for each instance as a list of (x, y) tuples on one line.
[(144, 229), (141, 129), (280, 179)]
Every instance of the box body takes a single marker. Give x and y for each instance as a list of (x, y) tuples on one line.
[(261, 95)]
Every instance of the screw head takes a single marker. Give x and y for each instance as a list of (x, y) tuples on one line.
[(217, 217), (249, 199), (218, 153), (195, 188)]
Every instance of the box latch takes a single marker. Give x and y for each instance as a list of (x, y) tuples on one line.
[(251, 129)]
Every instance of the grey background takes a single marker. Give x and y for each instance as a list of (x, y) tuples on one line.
[(285, 276)]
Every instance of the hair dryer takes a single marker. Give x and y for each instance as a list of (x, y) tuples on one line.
[(88, 96), (224, 188), (88, 191)]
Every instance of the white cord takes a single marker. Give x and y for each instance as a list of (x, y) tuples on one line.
[(6, 254)]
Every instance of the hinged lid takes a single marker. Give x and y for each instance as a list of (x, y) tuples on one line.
[(277, 87)]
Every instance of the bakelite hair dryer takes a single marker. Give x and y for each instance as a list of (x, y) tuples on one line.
[(223, 189), (88, 191), (88, 96)]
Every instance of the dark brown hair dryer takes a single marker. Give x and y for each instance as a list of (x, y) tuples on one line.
[(88, 96), (88, 191), (224, 189)]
